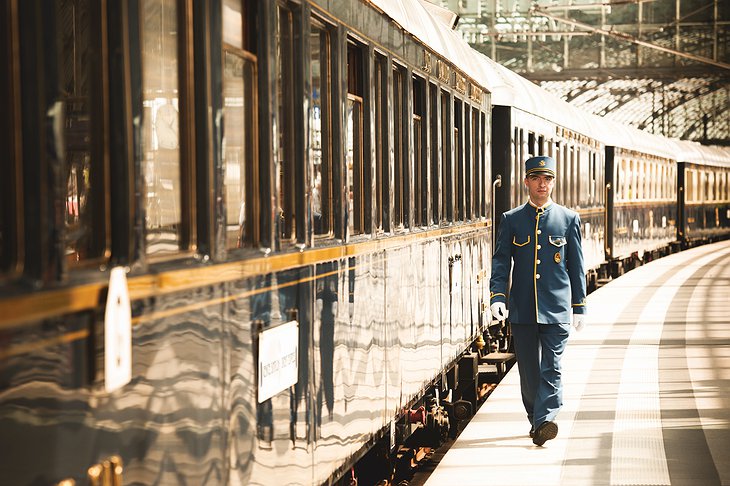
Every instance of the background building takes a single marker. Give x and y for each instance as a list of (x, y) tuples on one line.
[(660, 65)]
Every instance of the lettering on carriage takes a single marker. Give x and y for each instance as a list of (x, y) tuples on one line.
[(426, 66), (278, 363), (443, 71), (459, 83)]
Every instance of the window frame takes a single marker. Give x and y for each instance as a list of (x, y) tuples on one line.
[(420, 153), (434, 151), (400, 147), (287, 181), (98, 132), (359, 220), (477, 177), (328, 208), (380, 113), (446, 158), (11, 186), (459, 166), (187, 233)]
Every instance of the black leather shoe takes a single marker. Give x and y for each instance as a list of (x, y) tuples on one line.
[(545, 432), (532, 432)]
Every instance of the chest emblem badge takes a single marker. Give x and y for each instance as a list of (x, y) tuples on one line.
[(557, 257)]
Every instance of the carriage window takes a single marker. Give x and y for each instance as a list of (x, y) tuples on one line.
[(81, 84), (517, 162), (622, 176), (320, 131), (571, 176), (400, 166), (519, 187), (435, 152), (655, 181), (663, 181), (10, 242), (447, 205), (627, 166), (357, 177), (589, 176), (710, 192), (531, 149), (458, 161), (420, 163), (593, 195), (239, 124), (162, 162), (486, 175), (649, 179), (573, 182), (561, 177), (567, 173), (669, 180), (286, 172), (584, 174), (477, 176), (466, 164), (381, 146), (640, 179), (700, 186), (692, 187)]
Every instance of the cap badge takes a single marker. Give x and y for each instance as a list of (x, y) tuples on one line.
[(557, 257), (542, 163)]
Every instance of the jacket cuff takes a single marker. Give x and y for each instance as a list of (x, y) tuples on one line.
[(498, 297), (580, 308)]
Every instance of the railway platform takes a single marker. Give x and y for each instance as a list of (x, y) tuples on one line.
[(646, 390)]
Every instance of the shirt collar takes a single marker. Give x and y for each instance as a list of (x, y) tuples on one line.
[(543, 207)]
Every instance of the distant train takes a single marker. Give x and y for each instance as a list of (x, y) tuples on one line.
[(249, 242)]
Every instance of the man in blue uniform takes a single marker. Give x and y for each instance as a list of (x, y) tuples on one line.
[(543, 241)]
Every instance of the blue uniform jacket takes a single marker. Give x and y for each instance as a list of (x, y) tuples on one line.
[(548, 278)]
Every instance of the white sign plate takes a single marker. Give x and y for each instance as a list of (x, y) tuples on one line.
[(456, 277), (278, 359), (117, 332)]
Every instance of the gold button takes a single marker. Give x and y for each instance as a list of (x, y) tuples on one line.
[(537, 275), (539, 232), (538, 247), (538, 262)]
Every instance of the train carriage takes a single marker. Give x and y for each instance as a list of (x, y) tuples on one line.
[(703, 185), (306, 179), (641, 186)]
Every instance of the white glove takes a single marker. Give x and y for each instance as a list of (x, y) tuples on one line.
[(499, 311), (579, 321)]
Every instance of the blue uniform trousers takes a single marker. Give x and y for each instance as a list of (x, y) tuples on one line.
[(539, 348)]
